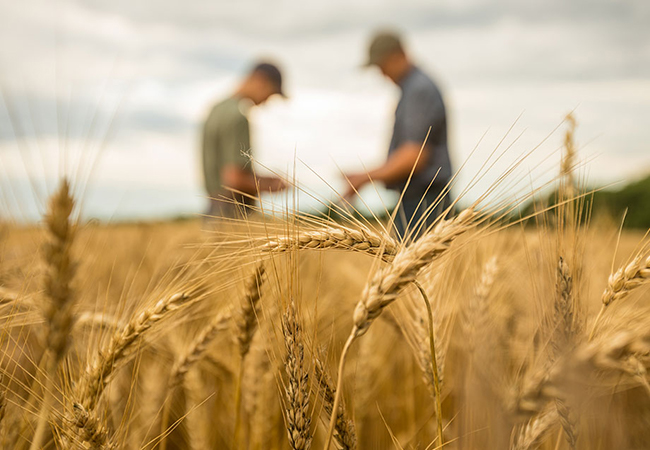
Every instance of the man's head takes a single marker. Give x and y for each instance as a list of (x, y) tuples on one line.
[(263, 81), (387, 52)]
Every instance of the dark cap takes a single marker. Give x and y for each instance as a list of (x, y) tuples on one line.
[(383, 44), (272, 73)]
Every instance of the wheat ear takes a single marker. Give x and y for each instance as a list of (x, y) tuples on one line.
[(247, 320), (476, 317), (530, 436), (387, 283), (91, 429), (58, 280), (433, 362), (569, 158), (563, 334), (621, 283), (359, 239), (246, 328), (385, 286), (99, 370), (297, 388), (611, 353), (197, 348), (345, 433)]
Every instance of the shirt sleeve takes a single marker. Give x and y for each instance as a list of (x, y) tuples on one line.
[(210, 157), (422, 110), (236, 143)]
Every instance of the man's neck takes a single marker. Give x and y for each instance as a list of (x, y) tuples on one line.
[(241, 93), (408, 68)]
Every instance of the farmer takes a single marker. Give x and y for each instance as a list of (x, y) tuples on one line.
[(226, 144), (420, 112)]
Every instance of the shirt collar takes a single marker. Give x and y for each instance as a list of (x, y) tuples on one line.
[(405, 79)]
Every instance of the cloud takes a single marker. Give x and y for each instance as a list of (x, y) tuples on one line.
[(161, 64)]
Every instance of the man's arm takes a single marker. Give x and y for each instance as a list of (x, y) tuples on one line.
[(397, 168), (241, 180), (422, 111), (234, 174)]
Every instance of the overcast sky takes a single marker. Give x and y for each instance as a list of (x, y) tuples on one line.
[(152, 69)]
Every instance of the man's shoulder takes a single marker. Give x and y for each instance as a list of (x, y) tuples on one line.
[(229, 110), (421, 84)]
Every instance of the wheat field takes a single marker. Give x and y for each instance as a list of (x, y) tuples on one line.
[(303, 332)]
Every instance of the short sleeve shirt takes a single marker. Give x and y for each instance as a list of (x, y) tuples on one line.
[(226, 140), (421, 107)]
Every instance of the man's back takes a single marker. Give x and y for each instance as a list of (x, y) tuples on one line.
[(421, 107), (226, 138)]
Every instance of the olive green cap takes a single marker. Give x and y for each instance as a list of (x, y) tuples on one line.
[(382, 45)]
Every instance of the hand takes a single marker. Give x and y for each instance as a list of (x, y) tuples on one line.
[(355, 182), (277, 185)]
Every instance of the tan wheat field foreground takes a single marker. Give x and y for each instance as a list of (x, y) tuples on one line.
[(305, 333)]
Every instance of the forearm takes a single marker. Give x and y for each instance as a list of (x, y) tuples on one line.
[(400, 164), (243, 181)]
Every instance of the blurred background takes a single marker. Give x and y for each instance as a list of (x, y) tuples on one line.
[(116, 93)]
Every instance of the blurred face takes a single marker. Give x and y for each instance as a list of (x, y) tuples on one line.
[(260, 88), (393, 66)]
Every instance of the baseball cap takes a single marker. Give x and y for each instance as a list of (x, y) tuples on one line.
[(383, 44), (272, 73)]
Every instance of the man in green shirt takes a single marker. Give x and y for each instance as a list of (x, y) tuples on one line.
[(229, 179)]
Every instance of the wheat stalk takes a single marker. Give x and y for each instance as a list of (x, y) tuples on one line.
[(3, 405)]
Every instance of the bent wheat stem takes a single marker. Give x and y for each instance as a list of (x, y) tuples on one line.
[(434, 363)]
